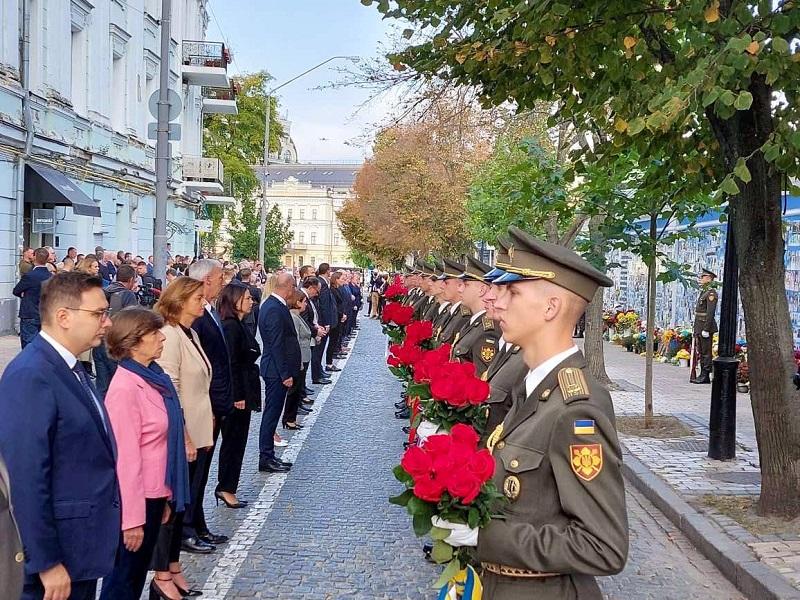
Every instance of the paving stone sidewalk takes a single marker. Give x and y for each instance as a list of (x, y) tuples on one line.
[(683, 462)]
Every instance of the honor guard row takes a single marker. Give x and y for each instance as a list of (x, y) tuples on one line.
[(550, 424)]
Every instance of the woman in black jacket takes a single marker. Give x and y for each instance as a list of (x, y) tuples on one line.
[(334, 343), (234, 304)]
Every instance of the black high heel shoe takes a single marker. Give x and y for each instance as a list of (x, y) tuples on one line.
[(190, 593), (292, 426), (219, 496), (156, 593)]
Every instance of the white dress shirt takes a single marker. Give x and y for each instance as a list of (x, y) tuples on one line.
[(476, 316), (282, 301), (454, 308), (444, 306), (537, 375)]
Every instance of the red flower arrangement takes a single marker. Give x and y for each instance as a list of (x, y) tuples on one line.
[(396, 291), (449, 477), (418, 332), (395, 318)]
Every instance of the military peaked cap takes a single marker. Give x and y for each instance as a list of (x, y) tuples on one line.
[(530, 258), (451, 269), (475, 269)]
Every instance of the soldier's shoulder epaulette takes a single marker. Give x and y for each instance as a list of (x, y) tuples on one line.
[(573, 385), (465, 312), (488, 324)]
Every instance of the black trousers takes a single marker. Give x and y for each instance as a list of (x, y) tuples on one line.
[(704, 350), (81, 590), (235, 429), (126, 581), (168, 545), (333, 344), (194, 520), (317, 354), (296, 393)]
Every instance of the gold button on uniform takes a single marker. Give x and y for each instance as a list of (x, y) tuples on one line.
[(19, 557), (501, 445), (514, 463)]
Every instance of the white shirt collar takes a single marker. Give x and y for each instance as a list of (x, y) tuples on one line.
[(476, 316), (443, 306), (537, 375), (68, 356), (454, 308), (282, 301)]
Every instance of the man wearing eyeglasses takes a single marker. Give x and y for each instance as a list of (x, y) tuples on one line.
[(59, 447)]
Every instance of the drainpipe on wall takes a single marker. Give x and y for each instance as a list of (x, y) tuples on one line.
[(27, 115)]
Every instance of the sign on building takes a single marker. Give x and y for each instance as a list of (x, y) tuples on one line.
[(43, 220)]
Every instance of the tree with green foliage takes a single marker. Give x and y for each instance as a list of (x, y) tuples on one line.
[(710, 85), (238, 141)]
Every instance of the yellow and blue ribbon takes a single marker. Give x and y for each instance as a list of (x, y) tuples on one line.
[(466, 585)]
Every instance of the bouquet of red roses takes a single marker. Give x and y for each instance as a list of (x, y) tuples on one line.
[(396, 291), (395, 317), (402, 357), (449, 393), (448, 477)]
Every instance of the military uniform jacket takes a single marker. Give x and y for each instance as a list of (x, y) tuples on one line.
[(440, 318), (428, 311), (705, 311), (455, 324), (558, 464), (505, 373), (411, 297), (419, 304), (477, 343)]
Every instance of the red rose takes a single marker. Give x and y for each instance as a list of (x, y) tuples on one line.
[(419, 331), (482, 465), (416, 462), (392, 361), (395, 290), (464, 485), (407, 354), (438, 444), (430, 490), (476, 391), (443, 388), (464, 434)]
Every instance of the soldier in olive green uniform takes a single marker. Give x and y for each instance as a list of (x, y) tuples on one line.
[(477, 340), (557, 454), (423, 296), (705, 326), (459, 314)]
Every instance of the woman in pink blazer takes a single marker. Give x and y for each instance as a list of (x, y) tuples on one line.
[(146, 417)]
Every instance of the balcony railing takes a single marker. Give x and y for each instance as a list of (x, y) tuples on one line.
[(202, 168), (205, 54), (214, 93)]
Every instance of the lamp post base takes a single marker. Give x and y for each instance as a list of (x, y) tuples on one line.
[(722, 419)]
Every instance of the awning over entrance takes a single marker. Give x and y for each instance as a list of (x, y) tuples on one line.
[(48, 186)]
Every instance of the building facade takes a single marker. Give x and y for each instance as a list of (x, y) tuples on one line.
[(309, 196), (77, 166)]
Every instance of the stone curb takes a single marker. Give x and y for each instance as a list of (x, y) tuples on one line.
[(751, 577)]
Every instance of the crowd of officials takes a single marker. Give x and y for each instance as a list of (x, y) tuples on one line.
[(111, 413)]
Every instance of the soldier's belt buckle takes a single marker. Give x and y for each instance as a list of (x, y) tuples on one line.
[(514, 572)]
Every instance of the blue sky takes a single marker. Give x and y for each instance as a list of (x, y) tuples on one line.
[(286, 37)]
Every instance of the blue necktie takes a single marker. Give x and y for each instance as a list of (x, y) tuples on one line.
[(90, 391)]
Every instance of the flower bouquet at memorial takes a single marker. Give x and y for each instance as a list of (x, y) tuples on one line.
[(403, 356), (448, 477), (395, 318), (450, 393), (396, 291)]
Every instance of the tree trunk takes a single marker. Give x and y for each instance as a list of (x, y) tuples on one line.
[(593, 342), (651, 326), (760, 248)]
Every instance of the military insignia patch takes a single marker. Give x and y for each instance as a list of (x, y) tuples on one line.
[(586, 460), (487, 353), (583, 427), (573, 384), (485, 376), (488, 324), (511, 487)]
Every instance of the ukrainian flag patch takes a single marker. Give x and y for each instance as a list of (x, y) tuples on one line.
[(583, 427)]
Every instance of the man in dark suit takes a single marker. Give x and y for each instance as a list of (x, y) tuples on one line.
[(28, 289), (280, 364), (12, 570), (197, 537), (328, 319), (59, 446)]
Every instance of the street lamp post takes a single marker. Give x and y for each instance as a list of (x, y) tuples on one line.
[(263, 228), (722, 418)]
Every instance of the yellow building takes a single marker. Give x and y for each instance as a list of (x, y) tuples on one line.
[(309, 196)]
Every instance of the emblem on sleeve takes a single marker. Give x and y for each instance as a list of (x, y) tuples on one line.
[(583, 427), (511, 487), (586, 460)]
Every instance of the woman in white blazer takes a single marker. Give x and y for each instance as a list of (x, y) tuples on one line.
[(185, 362)]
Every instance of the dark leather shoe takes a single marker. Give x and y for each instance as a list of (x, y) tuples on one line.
[(407, 429), (321, 382), (403, 414), (272, 466), (195, 545), (334, 369), (338, 357), (302, 410), (285, 463), (213, 539), (307, 401), (400, 405)]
